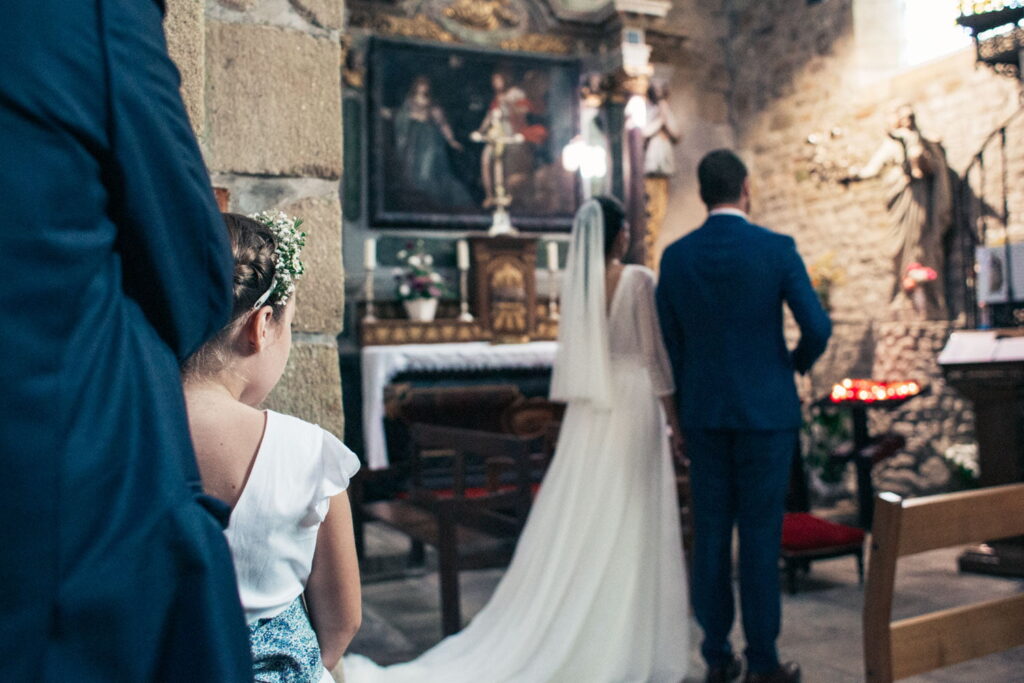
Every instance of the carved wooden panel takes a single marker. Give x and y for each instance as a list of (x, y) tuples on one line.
[(504, 289)]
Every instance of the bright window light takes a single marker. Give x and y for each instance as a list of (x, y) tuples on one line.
[(931, 31)]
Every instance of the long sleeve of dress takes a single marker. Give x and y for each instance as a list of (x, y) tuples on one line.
[(172, 240), (651, 340)]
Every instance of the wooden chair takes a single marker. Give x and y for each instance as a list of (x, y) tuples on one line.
[(478, 407), (895, 650), (807, 538), (471, 527)]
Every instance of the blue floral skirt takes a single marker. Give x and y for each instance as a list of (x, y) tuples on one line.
[(284, 648)]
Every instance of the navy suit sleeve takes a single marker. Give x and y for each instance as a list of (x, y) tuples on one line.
[(173, 243), (814, 323), (671, 331)]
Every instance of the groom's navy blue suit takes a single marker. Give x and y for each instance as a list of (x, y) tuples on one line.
[(720, 299)]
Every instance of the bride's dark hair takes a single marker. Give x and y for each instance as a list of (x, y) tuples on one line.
[(614, 218)]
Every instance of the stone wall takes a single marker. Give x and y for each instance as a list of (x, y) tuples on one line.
[(931, 422), (261, 82), (797, 71)]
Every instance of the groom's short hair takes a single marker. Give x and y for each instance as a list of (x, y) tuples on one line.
[(721, 174)]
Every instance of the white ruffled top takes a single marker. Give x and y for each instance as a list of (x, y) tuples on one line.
[(273, 526)]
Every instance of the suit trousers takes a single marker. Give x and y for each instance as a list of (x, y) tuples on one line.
[(738, 479)]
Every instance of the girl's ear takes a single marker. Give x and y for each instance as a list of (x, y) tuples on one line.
[(257, 328)]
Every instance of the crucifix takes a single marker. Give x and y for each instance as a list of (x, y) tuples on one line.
[(495, 136)]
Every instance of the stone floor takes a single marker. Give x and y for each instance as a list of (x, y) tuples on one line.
[(821, 623)]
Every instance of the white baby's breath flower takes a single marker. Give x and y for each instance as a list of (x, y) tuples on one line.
[(289, 242)]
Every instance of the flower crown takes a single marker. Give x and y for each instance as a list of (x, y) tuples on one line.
[(288, 267)]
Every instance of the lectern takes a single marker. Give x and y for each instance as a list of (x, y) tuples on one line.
[(987, 366)]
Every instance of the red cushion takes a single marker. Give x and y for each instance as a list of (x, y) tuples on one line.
[(474, 491), (802, 531)]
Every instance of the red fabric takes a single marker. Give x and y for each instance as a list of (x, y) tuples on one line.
[(473, 492), (535, 134), (802, 531)]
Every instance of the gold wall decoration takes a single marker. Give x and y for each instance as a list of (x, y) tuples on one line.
[(419, 26), (538, 42), (397, 331), (484, 15), (390, 329), (657, 207)]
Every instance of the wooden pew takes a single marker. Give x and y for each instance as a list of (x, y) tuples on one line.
[(471, 527), (895, 650)]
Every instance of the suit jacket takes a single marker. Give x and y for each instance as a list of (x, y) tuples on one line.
[(115, 268), (720, 297)]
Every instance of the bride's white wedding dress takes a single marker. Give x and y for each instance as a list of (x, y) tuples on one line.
[(596, 591)]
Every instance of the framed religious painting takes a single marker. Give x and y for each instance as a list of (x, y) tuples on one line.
[(453, 127)]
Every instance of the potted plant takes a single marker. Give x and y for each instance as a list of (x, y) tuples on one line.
[(419, 285)]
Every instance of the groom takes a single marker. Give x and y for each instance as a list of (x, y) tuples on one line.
[(720, 300)]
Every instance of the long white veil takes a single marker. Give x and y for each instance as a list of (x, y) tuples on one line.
[(582, 370)]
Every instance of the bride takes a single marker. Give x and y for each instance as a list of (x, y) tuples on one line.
[(596, 590)]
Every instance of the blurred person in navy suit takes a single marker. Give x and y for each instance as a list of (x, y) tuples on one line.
[(720, 298), (115, 268)]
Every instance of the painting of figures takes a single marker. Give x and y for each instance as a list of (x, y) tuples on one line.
[(452, 129)]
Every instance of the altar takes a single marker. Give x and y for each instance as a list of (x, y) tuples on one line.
[(380, 364)]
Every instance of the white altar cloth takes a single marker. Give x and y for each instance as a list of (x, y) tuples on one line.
[(381, 363)]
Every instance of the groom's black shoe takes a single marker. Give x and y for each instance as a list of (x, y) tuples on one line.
[(788, 672), (725, 674)]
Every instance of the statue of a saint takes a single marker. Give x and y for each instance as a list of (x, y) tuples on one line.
[(661, 134), (920, 203)]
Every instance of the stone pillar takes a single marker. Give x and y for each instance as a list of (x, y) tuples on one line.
[(184, 27), (262, 83)]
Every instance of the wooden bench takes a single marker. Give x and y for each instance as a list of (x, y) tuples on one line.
[(895, 650), (479, 407), (471, 527)]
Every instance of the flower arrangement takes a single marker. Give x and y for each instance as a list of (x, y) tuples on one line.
[(825, 274), (917, 275), (962, 460), (288, 267), (823, 432), (417, 279)]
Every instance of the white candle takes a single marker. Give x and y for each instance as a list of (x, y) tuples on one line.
[(552, 256), (462, 254), (370, 254)]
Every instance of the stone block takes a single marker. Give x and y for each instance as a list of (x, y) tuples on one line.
[(321, 291), (186, 42), (325, 14), (311, 387), (273, 100)]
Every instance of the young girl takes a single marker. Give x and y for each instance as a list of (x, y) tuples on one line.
[(290, 529)]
